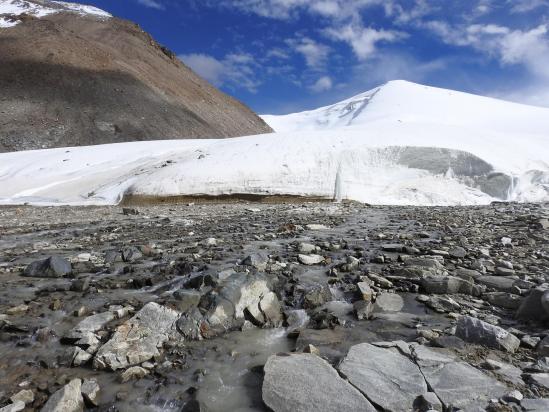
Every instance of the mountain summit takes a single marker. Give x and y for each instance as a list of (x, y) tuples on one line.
[(403, 101), (73, 75)]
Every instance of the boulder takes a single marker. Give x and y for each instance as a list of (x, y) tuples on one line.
[(52, 267), (503, 300), (388, 302), (457, 384), (67, 399), (138, 339), (387, 378), (532, 307), (499, 283), (13, 407), (305, 382), (474, 330), (310, 260), (446, 285)]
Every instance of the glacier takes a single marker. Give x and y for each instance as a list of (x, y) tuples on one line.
[(399, 144)]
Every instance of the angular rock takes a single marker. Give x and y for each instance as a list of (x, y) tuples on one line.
[(90, 325), (388, 302), (499, 283), (532, 307), (90, 391), (135, 372), (504, 300), (446, 285), (13, 407), (52, 267), (387, 378), (457, 384), (138, 339), (310, 260), (474, 330), (305, 382), (67, 399), (257, 260), (26, 396)]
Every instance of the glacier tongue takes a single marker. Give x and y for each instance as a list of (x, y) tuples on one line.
[(376, 148)]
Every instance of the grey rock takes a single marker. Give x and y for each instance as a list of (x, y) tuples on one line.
[(131, 254), (386, 377), (133, 373), (446, 285), (52, 267), (457, 384), (317, 296), (543, 347), (26, 396), (363, 309), (90, 391), (535, 405), (67, 399), (539, 379), (90, 325), (474, 330), (297, 319), (388, 302), (366, 292), (257, 260), (457, 252), (499, 283), (13, 407), (307, 248), (467, 273), (532, 307), (138, 339), (305, 382), (186, 299), (427, 402), (504, 300), (310, 260)]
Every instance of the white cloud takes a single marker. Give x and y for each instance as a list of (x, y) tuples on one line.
[(235, 70), (315, 53), (525, 6), (363, 40), (322, 85), (153, 4)]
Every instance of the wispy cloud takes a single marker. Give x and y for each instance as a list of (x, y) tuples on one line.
[(234, 70), (153, 4)]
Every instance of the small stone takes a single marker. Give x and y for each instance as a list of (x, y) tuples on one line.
[(90, 392), (365, 291), (17, 310), (513, 396), (135, 372), (310, 259), (26, 396), (56, 304)]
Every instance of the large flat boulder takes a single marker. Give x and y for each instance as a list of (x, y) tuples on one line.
[(388, 378), (457, 384), (305, 382)]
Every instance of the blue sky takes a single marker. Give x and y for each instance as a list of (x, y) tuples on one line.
[(282, 56)]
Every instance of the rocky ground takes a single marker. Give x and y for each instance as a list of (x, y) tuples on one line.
[(296, 307)]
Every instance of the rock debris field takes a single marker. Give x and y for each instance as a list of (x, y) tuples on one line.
[(282, 307)]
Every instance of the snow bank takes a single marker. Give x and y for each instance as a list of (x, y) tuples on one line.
[(17, 7), (400, 155)]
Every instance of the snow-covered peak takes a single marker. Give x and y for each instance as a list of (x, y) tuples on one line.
[(10, 10), (402, 101)]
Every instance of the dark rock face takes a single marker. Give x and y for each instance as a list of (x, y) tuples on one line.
[(52, 267), (72, 80)]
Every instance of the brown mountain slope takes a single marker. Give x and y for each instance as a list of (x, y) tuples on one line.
[(68, 79)]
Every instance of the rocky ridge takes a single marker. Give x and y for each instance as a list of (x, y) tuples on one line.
[(72, 75)]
